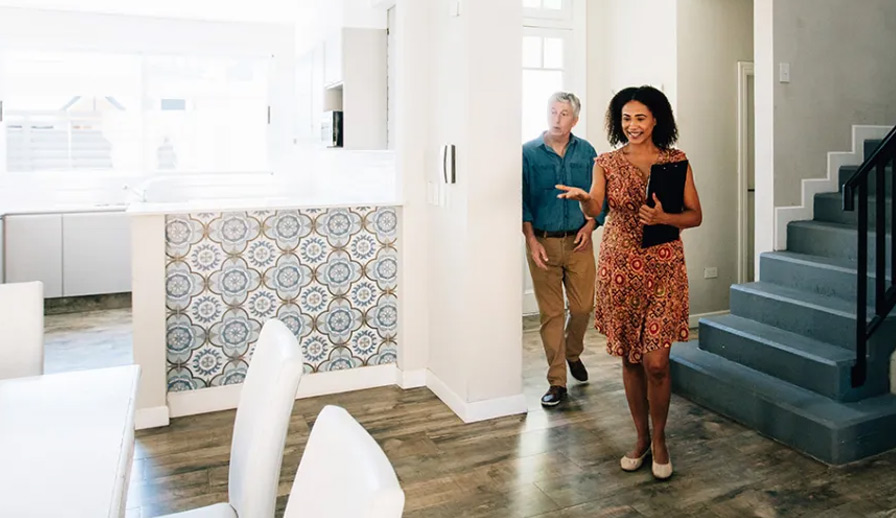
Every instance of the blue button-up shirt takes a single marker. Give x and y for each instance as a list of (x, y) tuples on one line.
[(543, 168)]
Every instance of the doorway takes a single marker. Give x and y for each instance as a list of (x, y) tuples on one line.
[(746, 184)]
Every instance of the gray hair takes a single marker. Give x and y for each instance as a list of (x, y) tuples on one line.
[(566, 97)]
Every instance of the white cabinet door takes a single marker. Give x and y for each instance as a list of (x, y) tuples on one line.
[(33, 251), (333, 58), (96, 253), (2, 269)]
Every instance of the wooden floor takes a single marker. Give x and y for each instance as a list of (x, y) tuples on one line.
[(561, 462)]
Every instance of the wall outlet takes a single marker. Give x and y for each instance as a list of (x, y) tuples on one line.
[(710, 272)]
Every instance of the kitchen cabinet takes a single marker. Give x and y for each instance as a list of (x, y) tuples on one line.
[(355, 83), (73, 254), (96, 253), (2, 270), (33, 249), (333, 58)]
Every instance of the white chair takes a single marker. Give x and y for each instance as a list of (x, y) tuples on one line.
[(343, 473), (259, 430), (22, 322)]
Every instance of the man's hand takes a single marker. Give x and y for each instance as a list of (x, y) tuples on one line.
[(539, 254), (652, 216), (583, 237)]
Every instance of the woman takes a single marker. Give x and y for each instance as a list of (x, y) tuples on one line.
[(642, 293)]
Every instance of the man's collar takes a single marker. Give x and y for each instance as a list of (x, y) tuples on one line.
[(572, 139)]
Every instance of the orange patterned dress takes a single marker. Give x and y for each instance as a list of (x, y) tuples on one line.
[(642, 293)]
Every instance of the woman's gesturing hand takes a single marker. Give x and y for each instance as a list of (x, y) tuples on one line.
[(572, 193)]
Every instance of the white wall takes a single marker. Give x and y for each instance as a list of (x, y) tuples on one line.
[(413, 56), (628, 44), (713, 35), (642, 38), (690, 49), (764, 103), (841, 73), (465, 260)]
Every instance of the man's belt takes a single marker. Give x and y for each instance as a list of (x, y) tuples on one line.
[(554, 233)]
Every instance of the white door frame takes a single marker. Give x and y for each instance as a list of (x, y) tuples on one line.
[(744, 71)]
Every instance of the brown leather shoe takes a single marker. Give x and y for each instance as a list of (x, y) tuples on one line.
[(578, 370), (553, 396)]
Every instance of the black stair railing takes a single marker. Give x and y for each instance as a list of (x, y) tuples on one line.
[(884, 290)]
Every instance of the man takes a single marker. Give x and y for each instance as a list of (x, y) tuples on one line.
[(558, 240)]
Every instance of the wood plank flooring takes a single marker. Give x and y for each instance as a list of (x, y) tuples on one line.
[(561, 462)]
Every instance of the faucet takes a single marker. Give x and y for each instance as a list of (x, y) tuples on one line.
[(139, 193)]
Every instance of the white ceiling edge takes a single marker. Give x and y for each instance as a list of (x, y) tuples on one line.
[(258, 11)]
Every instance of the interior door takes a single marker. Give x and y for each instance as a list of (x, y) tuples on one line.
[(751, 182)]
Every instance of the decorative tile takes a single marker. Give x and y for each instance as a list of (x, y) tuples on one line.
[(329, 274)]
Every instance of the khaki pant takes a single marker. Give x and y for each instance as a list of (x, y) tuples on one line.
[(575, 271)]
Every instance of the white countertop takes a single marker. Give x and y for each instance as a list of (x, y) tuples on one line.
[(25, 208), (257, 204)]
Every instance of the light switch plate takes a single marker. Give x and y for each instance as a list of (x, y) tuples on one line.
[(710, 272), (784, 73)]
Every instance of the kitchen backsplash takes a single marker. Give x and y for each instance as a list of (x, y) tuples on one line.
[(329, 274)]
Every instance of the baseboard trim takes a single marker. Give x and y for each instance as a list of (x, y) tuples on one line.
[(694, 320), (202, 401), (334, 382), (214, 399), (151, 417), (477, 410), (411, 379), (812, 186)]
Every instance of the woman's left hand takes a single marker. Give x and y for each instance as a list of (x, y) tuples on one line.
[(652, 216)]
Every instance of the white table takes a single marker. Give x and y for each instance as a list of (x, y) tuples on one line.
[(67, 443)]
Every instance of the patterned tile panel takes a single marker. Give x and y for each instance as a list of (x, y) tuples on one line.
[(329, 274)]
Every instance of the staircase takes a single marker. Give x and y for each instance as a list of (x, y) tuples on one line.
[(780, 362)]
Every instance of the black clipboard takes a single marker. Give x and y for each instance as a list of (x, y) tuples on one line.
[(667, 182)]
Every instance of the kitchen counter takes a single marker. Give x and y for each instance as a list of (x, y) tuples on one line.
[(212, 271), (59, 208)]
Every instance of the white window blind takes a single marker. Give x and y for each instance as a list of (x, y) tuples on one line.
[(70, 111)]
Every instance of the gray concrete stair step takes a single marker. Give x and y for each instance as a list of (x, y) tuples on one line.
[(806, 362), (826, 239), (815, 274), (847, 171), (823, 317), (831, 431), (829, 207)]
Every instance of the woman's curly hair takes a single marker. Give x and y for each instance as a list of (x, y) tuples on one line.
[(665, 134)]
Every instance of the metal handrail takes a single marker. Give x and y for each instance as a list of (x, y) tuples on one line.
[(884, 291)]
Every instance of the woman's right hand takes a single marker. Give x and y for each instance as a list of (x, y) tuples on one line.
[(572, 193)]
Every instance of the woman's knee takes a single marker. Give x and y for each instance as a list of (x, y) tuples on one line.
[(656, 366)]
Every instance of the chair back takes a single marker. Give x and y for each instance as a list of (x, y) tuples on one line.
[(342, 457), (22, 322), (262, 420)]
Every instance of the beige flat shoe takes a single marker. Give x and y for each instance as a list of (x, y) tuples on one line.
[(662, 471), (629, 464)]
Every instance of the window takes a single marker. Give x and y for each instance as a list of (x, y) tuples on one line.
[(544, 64), (547, 10), (68, 111), (205, 113)]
